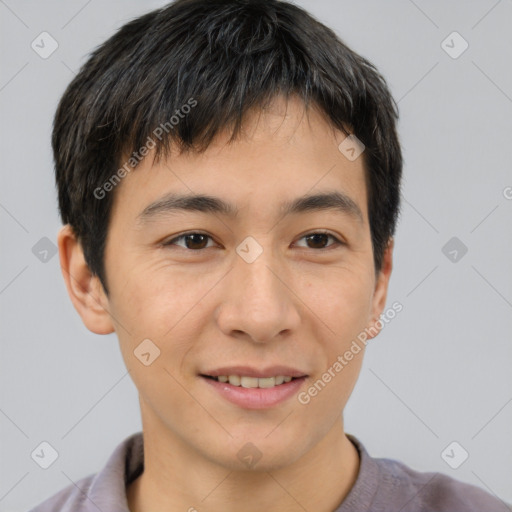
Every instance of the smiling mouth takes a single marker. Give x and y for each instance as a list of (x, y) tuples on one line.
[(252, 382)]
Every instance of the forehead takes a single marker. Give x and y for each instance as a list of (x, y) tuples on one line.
[(285, 160)]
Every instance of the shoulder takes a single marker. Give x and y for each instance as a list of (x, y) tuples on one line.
[(105, 490), (70, 499), (432, 491), (385, 485)]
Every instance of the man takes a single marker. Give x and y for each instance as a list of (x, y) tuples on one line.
[(229, 180)]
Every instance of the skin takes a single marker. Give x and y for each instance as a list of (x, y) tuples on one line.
[(299, 304)]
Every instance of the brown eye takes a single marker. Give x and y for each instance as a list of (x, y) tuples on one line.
[(192, 241), (195, 241), (319, 240)]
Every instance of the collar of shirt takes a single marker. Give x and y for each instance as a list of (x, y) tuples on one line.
[(106, 490)]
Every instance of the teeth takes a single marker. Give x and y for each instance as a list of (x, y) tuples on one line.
[(268, 382), (234, 380), (249, 382), (254, 382)]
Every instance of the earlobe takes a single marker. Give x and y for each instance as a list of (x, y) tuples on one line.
[(84, 288), (381, 289)]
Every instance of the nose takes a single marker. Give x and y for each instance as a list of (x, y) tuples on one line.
[(259, 302)]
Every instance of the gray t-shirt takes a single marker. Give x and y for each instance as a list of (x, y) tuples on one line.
[(382, 485)]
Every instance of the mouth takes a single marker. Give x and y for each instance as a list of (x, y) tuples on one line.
[(245, 381), (250, 388)]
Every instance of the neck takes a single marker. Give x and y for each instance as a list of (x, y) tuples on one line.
[(174, 478)]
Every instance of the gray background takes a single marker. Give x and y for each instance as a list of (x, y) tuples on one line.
[(439, 372)]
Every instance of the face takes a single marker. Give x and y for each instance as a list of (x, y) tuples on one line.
[(262, 291)]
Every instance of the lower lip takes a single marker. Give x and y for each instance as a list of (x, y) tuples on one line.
[(256, 398)]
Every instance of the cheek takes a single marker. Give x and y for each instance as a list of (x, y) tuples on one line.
[(341, 301), (323, 401), (153, 299), (146, 307)]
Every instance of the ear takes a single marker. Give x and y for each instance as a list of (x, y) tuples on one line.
[(381, 290), (84, 288)]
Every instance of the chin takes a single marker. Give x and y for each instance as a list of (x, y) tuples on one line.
[(258, 453)]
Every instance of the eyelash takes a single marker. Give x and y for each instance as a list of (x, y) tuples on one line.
[(337, 241)]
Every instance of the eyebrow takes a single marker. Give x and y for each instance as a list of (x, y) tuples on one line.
[(326, 201)]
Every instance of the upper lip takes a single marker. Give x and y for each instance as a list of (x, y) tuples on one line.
[(250, 371)]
